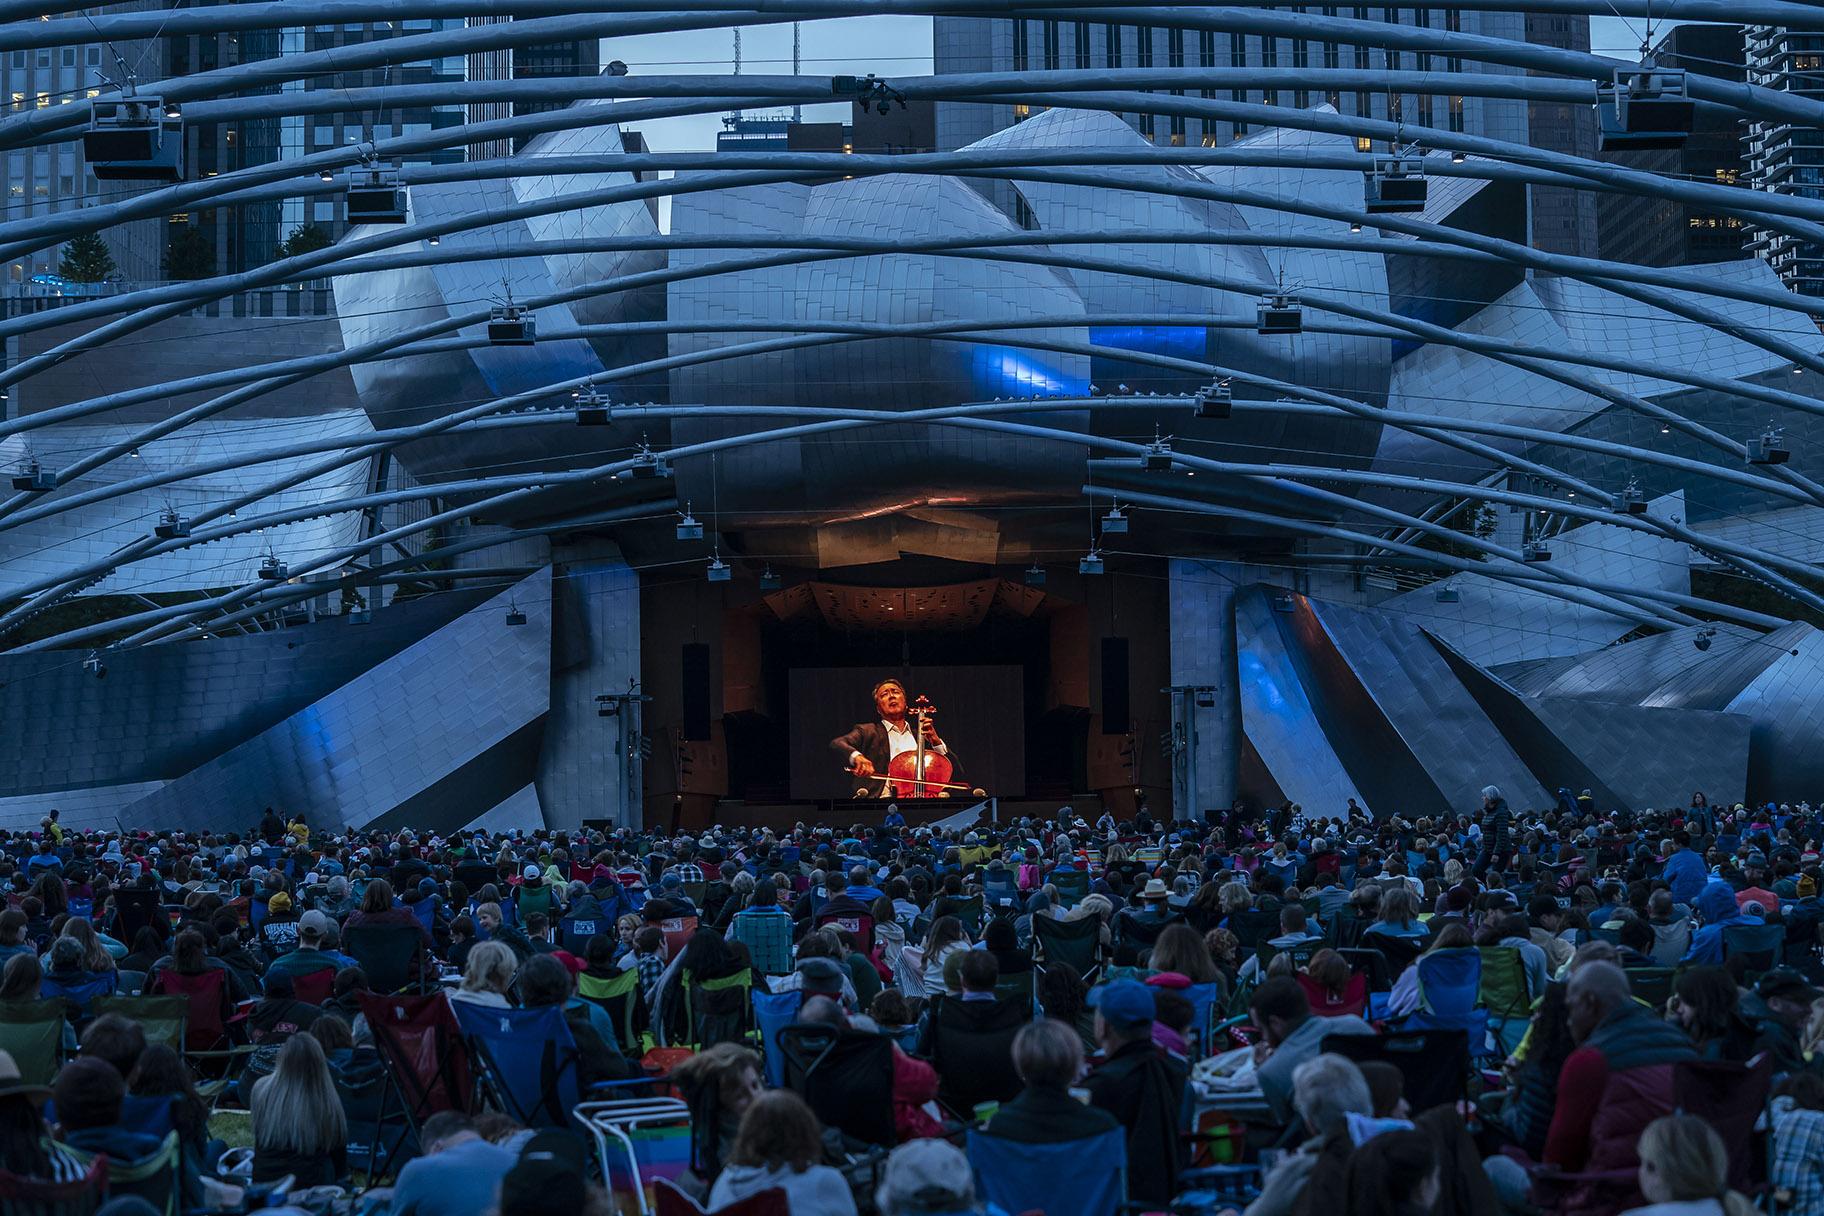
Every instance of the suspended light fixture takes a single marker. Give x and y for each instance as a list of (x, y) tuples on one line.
[(1114, 521), (1035, 575), (769, 581), (515, 617), (688, 527), (1090, 563), (719, 571)]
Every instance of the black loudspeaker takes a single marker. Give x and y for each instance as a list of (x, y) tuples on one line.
[(695, 672), (1114, 687)]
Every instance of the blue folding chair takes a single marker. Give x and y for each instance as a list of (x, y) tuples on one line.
[(574, 933), (1450, 983), (527, 1059), (426, 912), (773, 1012), (1203, 999), (1075, 1178)]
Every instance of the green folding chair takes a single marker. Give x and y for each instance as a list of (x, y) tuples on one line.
[(1503, 993), (32, 1032), (621, 998), (163, 1018), (156, 1178)]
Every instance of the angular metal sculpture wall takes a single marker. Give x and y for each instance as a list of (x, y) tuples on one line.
[(1340, 702), (467, 700)]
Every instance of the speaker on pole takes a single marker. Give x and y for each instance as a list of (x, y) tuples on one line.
[(1114, 687), (694, 669)]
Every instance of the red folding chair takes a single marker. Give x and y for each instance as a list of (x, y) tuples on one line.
[(678, 931), (426, 1060), (1326, 1004), (315, 987), (206, 1026)]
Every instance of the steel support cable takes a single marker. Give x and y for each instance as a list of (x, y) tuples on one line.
[(1447, 336), (133, 25), (409, 48), (1784, 211), (670, 411), (946, 415)]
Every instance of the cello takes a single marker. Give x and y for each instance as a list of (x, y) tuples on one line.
[(918, 773)]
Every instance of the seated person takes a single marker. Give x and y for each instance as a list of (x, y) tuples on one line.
[(1048, 1055), (279, 1014), (544, 981), (1141, 1086), (26, 1150), (1290, 1035), (780, 1145), (299, 1127), (88, 1093), (458, 1174)]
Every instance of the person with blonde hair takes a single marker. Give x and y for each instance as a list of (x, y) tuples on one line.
[(299, 1127), (488, 975), (1684, 1171)]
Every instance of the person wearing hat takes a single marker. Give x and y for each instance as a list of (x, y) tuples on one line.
[(309, 958), (533, 894), (1779, 1007), (1755, 875), (1141, 1086), (279, 930), (926, 1177), (551, 1175), (26, 1150)]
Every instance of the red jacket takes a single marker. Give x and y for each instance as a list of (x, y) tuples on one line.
[(914, 1084), (1619, 1081)]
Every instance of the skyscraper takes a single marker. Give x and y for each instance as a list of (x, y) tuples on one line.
[(1653, 230), (49, 178), (1784, 158)]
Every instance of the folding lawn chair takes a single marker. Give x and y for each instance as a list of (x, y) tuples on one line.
[(426, 1060), (1071, 1178), (640, 1143)]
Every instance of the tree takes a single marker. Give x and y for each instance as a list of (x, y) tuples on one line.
[(305, 238), (86, 259), (189, 254)]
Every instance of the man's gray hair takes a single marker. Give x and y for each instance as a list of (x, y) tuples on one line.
[(1491, 791), (1328, 1087)]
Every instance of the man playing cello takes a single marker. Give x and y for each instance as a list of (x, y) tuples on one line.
[(868, 749)]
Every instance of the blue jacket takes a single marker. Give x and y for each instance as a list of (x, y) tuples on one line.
[(1685, 874), (1716, 907)]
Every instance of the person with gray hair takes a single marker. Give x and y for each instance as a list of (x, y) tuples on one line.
[(926, 1178), (1617, 1081), (1326, 1090), (1048, 1055), (1497, 831)]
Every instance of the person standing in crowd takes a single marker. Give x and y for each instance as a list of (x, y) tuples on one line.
[(1140, 1085)]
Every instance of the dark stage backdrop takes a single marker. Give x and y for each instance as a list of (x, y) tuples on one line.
[(981, 715)]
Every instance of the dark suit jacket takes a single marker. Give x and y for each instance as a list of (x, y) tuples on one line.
[(870, 739)]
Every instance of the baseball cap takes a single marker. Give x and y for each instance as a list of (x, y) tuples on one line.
[(313, 921), (926, 1176), (1124, 1004), (550, 1175), (532, 871), (1787, 982)]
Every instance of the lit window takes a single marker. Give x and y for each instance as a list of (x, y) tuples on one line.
[(1363, 144)]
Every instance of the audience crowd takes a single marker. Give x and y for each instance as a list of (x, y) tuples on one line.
[(1579, 1009)]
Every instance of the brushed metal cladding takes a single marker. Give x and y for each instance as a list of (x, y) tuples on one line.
[(1278, 717), (879, 467), (1435, 717), (392, 732), (409, 390), (1626, 755)]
